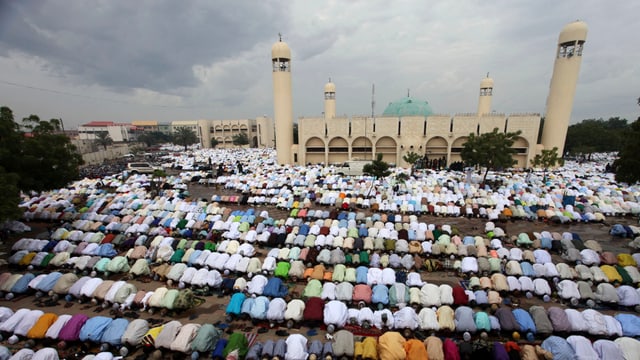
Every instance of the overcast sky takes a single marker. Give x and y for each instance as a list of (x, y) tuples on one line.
[(122, 60)]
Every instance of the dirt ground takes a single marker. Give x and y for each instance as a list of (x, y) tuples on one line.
[(213, 309)]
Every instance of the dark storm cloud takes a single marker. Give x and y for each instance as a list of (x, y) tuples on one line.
[(136, 44)]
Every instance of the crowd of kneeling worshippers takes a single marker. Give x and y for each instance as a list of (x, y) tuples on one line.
[(358, 273)]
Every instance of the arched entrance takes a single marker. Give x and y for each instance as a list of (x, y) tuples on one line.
[(521, 147), (314, 151), (338, 151), (437, 148), (361, 149), (388, 147), (456, 149)]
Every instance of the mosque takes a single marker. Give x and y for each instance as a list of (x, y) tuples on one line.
[(406, 125), (410, 125)]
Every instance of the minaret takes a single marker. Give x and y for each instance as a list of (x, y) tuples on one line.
[(282, 100), (563, 85), (486, 94), (329, 100)]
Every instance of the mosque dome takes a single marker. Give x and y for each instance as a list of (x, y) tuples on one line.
[(408, 106), (280, 50)]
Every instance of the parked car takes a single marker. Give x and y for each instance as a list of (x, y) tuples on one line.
[(140, 168)]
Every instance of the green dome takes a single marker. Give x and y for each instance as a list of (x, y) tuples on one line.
[(408, 106)]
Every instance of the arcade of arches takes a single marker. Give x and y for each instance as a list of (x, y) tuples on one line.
[(338, 149)]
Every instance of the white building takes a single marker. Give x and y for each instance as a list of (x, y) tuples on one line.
[(117, 132)]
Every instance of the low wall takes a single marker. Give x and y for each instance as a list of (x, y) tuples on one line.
[(112, 152)]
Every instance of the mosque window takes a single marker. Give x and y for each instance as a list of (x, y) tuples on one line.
[(579, 47), (568, 49), (338, 149), (361, 149), (399, 127), (281, 65)]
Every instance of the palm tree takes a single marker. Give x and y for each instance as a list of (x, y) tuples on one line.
[(411, 158), (378, 167), (184, 136), (103, 139), (240, 139), (547, 159)]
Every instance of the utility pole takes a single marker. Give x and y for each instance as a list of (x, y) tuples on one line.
[(373, 100)]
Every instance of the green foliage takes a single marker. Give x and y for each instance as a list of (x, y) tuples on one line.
[(137, 150), (490, 150), (43, 160), (546, 159), (591, 136), (402, 178), (159, 173), (103, 139), (411, 158), (154, 137), (627, 166), (214, 143), (377, 168), (34, 125), (240, 139), (184, 136), (10, 196)]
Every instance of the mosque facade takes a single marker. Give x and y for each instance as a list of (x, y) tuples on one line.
[(410, 125), (406, 125)]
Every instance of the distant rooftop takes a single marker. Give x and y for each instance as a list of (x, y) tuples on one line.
[(104, 123)]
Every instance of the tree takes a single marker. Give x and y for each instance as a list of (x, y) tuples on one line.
[(490, 150), (411, 158), (214, 143), (627, 166), (42, 160), (595, 135), (154, 137), (546, 159), (37, 126), (240, 139), (184, 136), (103, 139), (10, 196), (377, 168)]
